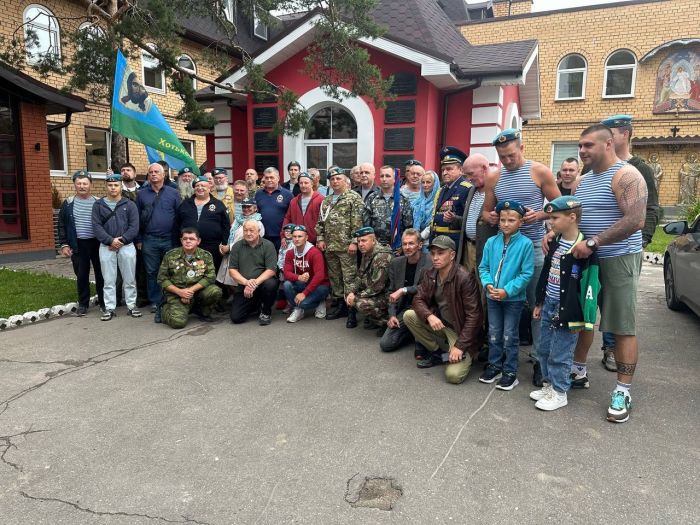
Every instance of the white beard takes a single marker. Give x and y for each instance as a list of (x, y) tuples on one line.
[(185, 188)]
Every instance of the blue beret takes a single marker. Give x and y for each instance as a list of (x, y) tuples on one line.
[(563, 203), (452, 155), (617, 121), (114, 177), (200, 178), (305, 174), (299, 228), (506, 136), (248, 202), (218, 171), (335, 170), (361, 232), (289, 226), (510, 205), (186, 169), (82, 174)]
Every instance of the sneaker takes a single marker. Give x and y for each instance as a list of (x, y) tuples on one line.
[(133, 312), (508, 381), (107, 315), (489, 375), (264, 320), (536, 395), (297, 315), (578, 381), (620, 406), (154, 308), (609, 359), (320, 312), (81, 311), (434, 358), (552, 401)]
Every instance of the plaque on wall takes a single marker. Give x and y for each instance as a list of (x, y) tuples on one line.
[(263, 141), (264, 117), (400, 111), (404, 84), (263, 162), (397, 161), (398, 139)]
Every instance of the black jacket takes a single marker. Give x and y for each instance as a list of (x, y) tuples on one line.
[(213, 223), (397, 276)]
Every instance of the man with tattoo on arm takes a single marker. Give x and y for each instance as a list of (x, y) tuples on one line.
[(613, 195)]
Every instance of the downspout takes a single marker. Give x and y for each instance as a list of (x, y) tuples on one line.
[(65, 124)]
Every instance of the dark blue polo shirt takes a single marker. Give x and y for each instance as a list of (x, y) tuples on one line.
[(163, 221), (273, 206)]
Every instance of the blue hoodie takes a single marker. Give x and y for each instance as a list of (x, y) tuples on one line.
[(516, 262)]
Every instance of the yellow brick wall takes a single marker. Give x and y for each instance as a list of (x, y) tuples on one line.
[(595, 34), (68, 14), (517, 7)]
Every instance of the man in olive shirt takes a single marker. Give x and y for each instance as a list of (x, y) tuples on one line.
[(253, 267)]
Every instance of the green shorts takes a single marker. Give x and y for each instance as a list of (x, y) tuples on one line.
[(618, 293)]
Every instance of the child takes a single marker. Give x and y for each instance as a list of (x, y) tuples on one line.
[(506, 267), (284, 248), (567, 295)]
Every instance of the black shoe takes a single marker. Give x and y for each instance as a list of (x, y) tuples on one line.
[(205, 318), (489, 375), (337, 312), (432, 359), (219, 307), (81, 311), (537, 379), (420, 352), (157, 318), (352, 319), (483, 356), (508, 381), (369, 324), (264, 320)]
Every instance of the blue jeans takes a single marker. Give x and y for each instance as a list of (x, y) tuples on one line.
[(504, 334), (531, 293), (556, 351), (608, 340), (312, 300), (154, 248)]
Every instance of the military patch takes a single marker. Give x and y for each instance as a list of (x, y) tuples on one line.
[(280, 198), (212, 207)]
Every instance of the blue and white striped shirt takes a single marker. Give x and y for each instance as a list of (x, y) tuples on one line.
[(82, 215), (519, 186), (600, 211)]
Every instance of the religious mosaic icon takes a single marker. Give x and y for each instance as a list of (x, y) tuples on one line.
[(678, 83)]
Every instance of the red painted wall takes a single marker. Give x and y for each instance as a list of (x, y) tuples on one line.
[(459, 120), (511, 94)]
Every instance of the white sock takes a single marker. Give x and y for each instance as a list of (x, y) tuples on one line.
[(623, 387), (578, 368)]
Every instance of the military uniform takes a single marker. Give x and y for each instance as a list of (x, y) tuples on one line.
[(184, 271), (378, 211), (372, 284), (450, 197), (228, 201), (339, 217)]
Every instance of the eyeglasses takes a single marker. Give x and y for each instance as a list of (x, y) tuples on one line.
[(413, 162)]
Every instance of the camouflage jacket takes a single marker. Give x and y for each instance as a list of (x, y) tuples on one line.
[(228, 201), (338, 221), (377, 214), (179, 270), (373, 275)]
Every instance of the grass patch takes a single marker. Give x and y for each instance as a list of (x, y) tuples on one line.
[(659, 241), (23, 291)]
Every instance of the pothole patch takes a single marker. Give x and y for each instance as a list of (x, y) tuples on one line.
[(373, 492)]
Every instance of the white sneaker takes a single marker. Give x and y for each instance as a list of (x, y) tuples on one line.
[(536, 395), (552, 401), (297, 315), (321, 310)]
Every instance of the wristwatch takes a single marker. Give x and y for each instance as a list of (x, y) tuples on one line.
[(404, 290), (592, 244)]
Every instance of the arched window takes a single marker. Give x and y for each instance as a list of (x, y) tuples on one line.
[(42, 34), (571, 78), (153, 74), (620, 73), (186, 63), (93, 30), (331, 139)]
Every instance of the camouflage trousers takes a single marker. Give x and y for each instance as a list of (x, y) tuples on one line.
[(375, 308), (342, 273), (174, 313)]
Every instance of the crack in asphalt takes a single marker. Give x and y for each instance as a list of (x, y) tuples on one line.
[(7, 443), (184, 519)]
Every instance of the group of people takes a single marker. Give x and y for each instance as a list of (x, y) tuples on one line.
[(478, 247)]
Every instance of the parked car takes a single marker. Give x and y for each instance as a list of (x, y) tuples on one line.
[(682, 266)]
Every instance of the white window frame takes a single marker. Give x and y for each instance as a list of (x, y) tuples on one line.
[(633, 67), (583, 69), (64, 171), (192, 144), (145, 56), (193, 70), (230, 10), (92, 28), (36, 57), (99, 174), (562, 143), (256, 22)]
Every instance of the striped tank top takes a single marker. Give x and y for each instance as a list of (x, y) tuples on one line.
[(519, 186), (600, 211)]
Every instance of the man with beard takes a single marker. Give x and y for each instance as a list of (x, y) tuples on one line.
[(184, 183), (223, 192), (136, 98), (129, 184), (251, 182)]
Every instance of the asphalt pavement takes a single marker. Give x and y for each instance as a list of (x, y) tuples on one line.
[(129, 422)]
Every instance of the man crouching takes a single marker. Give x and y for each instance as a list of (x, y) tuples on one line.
[(187, 278)]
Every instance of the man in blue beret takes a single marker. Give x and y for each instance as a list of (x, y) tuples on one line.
[(530, 183), (184, 183), (451, 198), (223, 191)]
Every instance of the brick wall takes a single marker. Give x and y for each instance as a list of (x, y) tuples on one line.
[(517, 7), (595, 33)]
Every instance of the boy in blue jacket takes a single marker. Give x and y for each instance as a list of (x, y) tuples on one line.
[(506, 267)]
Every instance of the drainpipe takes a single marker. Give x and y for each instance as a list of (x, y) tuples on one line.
[(61, 125)]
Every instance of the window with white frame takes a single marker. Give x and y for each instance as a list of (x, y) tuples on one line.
[(97, 147), (571, 78), (41, 32), (230, 10), (189, 146), (562, 151), (620, 73), (58, 159), (92, 30), (259, 27), (153, 74), (186, 63)]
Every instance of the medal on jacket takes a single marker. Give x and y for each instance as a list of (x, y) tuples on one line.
[(190, 273)]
